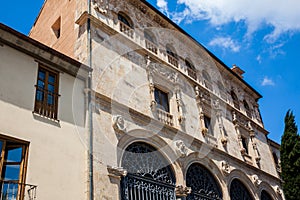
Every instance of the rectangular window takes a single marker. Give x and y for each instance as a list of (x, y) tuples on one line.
[(46, 97), (12, 169), (245, 144), (162, 100), (207, 123)]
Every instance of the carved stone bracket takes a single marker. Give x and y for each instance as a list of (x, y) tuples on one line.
[(182, 191), (180, 148), (224, 141), (225, 167), (118, 123), (278, 191), (256, 180), (204, 131), (116, 172)]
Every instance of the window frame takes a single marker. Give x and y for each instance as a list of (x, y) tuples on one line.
[(207, 124), (235, 100), (42, 107), (11, 142), (245, 143), (247, 108), (122, 17), (160, 105)]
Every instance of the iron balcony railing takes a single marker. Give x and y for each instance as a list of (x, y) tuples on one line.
[(46, 103), (13, 190)]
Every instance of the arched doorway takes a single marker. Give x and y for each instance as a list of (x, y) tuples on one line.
[(203, 184), (265, 196), (149, 174), (238, 191)]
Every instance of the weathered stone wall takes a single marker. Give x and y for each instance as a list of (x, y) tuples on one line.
[(122, 74)]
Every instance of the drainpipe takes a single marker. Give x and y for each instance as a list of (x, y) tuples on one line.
[(90, 108)]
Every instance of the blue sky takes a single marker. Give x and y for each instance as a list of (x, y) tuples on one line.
[(260, 36)]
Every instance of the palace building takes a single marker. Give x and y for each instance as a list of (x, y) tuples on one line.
[(115, 101)]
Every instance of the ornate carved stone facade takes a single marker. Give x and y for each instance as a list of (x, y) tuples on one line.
[(168, 127)]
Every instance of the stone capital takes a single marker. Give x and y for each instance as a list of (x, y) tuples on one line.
[(182, 191), (116, 172)]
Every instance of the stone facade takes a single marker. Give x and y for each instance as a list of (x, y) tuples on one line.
[(153, 84)]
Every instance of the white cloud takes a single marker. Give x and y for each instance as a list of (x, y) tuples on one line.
[(267, 81), (163, 5), (282, 15), (259, 58), (225, 42)]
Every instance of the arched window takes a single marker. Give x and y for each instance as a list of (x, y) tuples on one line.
[(207, 80), (149, 174), (190, 69), (150, 41), (265, 196), (202, 183), (125, 19), (247, 108), (126, 24), (275, 158), (172, 57), (222, 90), (235, 100), (238, 191)]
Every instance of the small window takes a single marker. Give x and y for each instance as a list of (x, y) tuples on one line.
[(247, 108), (126, 26), (46, 97), (172, 57), (190, 69), (222, 90), (149, 36), (12, 169), (125, 20), (162, 100), (235, 100), (170, 51), (150, 41), (275, 158), (189, 65), (207, 123), (56, 28), (245, 144), (207, 80)]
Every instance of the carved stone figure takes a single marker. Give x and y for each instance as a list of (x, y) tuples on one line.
[(118, 123), (181, 149), (256, 180), (182, 191), (225, 167)]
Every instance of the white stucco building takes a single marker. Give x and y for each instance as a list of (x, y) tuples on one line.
[(42, 155)]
